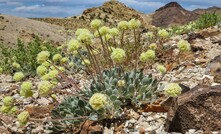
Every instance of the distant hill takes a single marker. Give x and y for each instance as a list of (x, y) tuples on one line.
[(110, 12), (12, 28), (210, 10), (172, 13)]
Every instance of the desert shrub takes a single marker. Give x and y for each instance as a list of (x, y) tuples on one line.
[(23, 57), (208, 20)]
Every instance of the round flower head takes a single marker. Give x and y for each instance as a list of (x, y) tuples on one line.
[(44, 88), (41, 70), (5, 109), (143, 57), (13, 110), (16, 65), (8, 101), (114, 32), (57, 57), (121, 83), (163, 33), (153, 46), (123, 25), (151, 54), (81, 30), (86, 61), (184, 45), (133, 24), (85, 38), (23, 118), (46, 64), (1, 70), (146, 56), (172, 89), (150, 35), (42, 56), (118, 55), (161, 69), (64, 60), (53, 74), (18, 76), (73, 45), (104, 30), (95, 24), (26, 89), (98, 101)]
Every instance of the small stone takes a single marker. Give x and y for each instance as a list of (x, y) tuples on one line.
[(141, 131)]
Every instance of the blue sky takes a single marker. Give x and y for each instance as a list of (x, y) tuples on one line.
[(65, 8)]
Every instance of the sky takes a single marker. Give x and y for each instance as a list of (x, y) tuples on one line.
[(66, 8)]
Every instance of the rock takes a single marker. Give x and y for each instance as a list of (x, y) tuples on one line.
[(199, 108), (214, 67), (193, 36), (210, 32), (213, 53)]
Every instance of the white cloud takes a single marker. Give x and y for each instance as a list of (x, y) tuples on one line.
[(27, 8)]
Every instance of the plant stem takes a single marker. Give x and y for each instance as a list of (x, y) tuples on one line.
[(103, 46), (122, 39), (90, 71)]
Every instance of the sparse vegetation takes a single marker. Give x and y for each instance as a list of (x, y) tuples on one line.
[(23, 57)]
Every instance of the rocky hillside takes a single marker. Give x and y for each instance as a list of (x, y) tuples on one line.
[(210, 10), (110, 12), (12, 28), (172, 14)]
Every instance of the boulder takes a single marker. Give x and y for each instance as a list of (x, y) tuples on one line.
[(199, 108)]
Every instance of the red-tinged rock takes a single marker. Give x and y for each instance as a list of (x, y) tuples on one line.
[(199, 108)]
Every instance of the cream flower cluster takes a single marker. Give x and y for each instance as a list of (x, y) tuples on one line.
[(26, 89), (163, 33), (146, 56), (161, 69), (23, 118), (98, 101), (44, 88), (183, 45), (73, 45), (123, 25), (18, 76), (42, 56), (172, 89), (133, 24), (96, 23), (118, 55)]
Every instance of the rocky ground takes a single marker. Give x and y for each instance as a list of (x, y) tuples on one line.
[(201, 69)]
